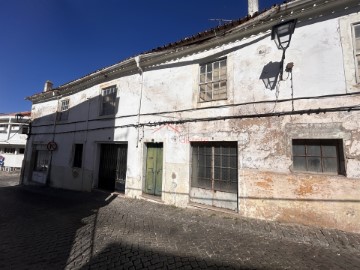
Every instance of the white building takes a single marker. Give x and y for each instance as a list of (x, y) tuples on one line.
[(207, 121), (13, 135)]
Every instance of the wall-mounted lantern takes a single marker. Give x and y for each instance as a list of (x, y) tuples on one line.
[(281, 33)]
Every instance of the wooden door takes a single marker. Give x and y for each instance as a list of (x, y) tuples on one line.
[(154, 167), (113, 165)]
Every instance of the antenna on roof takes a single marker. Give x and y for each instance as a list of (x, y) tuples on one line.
[(221, 21)]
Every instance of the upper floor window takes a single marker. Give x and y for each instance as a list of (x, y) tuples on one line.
[(213, 81), (25, 130), (63, 110), (357, 48), (3, 128), (108, 100), (321, 156)]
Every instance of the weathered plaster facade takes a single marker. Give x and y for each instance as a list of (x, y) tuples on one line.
[(158, 102)]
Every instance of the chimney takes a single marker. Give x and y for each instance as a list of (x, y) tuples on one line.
[(253, 7), (48, 86)]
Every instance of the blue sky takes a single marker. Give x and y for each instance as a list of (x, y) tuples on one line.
[(62, 40)]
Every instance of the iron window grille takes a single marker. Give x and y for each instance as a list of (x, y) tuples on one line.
[(356, 29), (320, 156), (213, 81), (108, 101), (41, 160), (64, 110), (214, 166)]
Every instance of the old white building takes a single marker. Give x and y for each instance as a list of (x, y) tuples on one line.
[(211, 121), (13, 135)]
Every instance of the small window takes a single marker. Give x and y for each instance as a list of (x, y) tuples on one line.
[(63, 110), (108, 100), (25, 130), (321, 156), (21, 150), (9, 151), (214, 166), (213, 81), (3, 128), (357, 49), (78, 153)]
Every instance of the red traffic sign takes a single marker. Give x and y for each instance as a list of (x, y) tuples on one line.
[(51, 146)]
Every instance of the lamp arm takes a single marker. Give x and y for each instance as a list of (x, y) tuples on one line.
[(282, 64)]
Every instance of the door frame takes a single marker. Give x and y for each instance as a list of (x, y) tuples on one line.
[(145, 149), (96, 164)]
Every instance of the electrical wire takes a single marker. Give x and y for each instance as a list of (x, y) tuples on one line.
[(218, 118), (203, 108)]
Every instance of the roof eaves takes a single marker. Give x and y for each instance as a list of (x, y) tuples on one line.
[(247, 25)]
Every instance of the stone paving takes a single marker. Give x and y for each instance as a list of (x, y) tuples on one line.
[(44, 228)]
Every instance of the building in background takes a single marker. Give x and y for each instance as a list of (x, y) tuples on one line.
[(219, 120), (13, 136)]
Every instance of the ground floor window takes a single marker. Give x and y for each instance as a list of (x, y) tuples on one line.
[(321, 156), (215, 166), (42, 158), (78, 153)]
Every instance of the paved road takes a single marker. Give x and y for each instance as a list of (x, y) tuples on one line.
[(43, 228), (9, 178)]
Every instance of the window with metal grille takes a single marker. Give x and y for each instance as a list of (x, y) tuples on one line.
[(63, 113), (214, 166), (321, 156), (108, 101), (213, 81), (78, 153), (41, 160), (357, 49)]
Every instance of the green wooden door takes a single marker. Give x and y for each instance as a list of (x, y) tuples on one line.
[(154, 161)]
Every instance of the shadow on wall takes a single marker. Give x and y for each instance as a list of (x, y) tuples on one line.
[(270, 75), (92, 118)]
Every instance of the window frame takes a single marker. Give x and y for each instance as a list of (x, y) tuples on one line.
[(63, 112), (323, 157), (216, 170), (203, 81), (114, 101), (41, 161), (356, 50), (78, 155)]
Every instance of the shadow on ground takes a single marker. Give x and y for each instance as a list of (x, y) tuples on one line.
[(45, 228), (38, 225)]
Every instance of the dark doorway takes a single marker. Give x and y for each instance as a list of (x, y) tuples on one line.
[(113, 165), (154, 168)]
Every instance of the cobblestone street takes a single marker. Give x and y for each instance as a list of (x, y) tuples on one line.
[(44, 228)]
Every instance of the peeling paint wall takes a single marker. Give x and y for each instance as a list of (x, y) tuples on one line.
[(268, 186)]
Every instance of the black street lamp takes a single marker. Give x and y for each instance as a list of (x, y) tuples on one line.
[(281, 33)]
